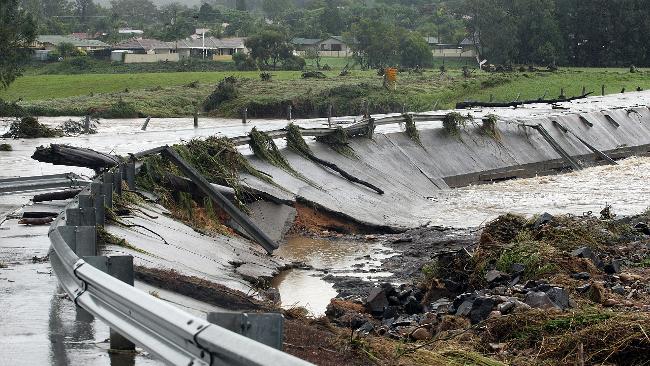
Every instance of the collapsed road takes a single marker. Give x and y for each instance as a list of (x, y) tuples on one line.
[(299, 194)]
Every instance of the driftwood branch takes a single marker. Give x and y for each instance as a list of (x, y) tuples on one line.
[(465, 105), (343, 173)]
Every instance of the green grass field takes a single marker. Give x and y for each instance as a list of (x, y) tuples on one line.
[(169, 94)]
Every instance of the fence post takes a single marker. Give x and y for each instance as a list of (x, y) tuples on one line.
[(87, 125), (120, 267), (584, 90), (244, 115), (603, 90), (367, 112), (329, 115), (196, 118), (146, 123), (289, 112)]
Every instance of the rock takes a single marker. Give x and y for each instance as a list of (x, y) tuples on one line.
[(465, 308), (497, 347), (610, 303), (629, 277), (618, 289), (540, 300), (543, 287), (441, 306), (586, 252), (613, 267), (517, 268), (393, 300), (494, 314), (559, 296), (390, 312), (481, 309), (376, 301), (583, 288), (581, 276), (366, 328), (543, 219), (514, 281), (521, 307), (642, 227), (506, 307), (421, 334), (370, 237), (495, 276), (273, 294), (412, 305), (597, 292)]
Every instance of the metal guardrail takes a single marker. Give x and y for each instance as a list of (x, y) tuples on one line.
[(165, 331), (23, 184)]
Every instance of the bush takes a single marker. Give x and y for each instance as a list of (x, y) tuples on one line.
[(243, 62), (293, 63), (226, 90), (265, 76), (5, 147), (10, 109)]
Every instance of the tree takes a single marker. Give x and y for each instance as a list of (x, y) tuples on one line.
[(275, 8), (135, 12), (374, 43), (66, 49), (269, 47), (241, 5), (415, 51), (17, 32)]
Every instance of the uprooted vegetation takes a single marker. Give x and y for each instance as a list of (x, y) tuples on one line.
[(218, 160), (410, 129), (338, 141), (29, 127)]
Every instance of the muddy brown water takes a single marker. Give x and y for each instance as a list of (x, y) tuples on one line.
[(341, 257)]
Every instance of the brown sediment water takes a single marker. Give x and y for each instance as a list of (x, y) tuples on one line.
[(342, 257)]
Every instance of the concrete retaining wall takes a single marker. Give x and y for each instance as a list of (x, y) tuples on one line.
[(409, 172)]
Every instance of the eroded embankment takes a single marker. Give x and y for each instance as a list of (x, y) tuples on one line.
[(409, 171)]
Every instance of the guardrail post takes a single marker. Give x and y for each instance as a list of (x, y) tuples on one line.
[(196, 119), (82, 216), (329, 115), (97, 195), (289, 112), (263, 328), (81, 239), (87, 125), (130, 175), (117, 181), (244, 115), (107, 192), (120, 267)]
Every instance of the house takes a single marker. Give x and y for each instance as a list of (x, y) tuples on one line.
[(333, 46), (464, 49), (218, 49), (50, 42), (139, 50)]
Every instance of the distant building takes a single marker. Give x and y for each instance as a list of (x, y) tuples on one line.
[(333, 46), (215, 48), (465, 48), (142, 50), (50, 42)]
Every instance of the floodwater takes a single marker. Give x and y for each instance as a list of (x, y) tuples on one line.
[(306, 288), (626, 187)]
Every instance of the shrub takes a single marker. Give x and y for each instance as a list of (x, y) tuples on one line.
[(265, 76), (226, 90), (29, 127), (244, 62), (5, 147), (293, 63), (454, 121)]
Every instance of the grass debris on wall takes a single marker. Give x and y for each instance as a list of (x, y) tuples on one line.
[(489, 127), (454, 121), (411, 131), (338, 141)]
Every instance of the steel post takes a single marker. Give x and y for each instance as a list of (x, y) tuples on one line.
[(120, 267)]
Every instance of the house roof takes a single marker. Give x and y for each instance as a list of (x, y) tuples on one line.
[(58, 39), (143, 44), (211, 43)]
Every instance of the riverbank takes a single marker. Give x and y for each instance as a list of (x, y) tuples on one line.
[(180, 94)]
